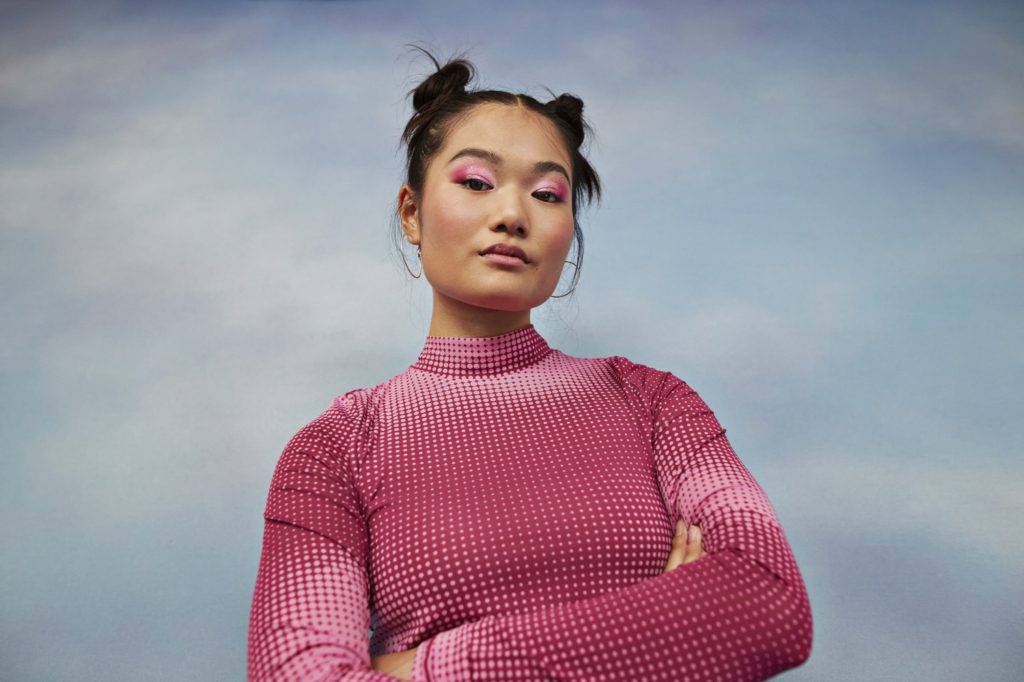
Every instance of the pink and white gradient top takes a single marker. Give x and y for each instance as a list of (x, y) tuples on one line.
[(510, 509)]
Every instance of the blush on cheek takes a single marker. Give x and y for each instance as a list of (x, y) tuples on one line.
[(569, 229), (562, 244)]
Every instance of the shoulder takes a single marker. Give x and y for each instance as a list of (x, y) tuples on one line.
[(645, 381), (659, 393), (340, 430), (635, 378)]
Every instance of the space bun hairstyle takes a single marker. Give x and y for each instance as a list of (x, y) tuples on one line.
[(444, 98)]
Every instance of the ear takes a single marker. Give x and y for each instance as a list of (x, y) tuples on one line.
[(409, 214)]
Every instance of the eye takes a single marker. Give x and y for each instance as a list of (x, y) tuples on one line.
[(475, 184), (547, 196)]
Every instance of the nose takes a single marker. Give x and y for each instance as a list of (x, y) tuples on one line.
[(509, 215)]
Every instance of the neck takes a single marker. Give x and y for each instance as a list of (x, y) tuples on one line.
[(483, 356), (457, 319)]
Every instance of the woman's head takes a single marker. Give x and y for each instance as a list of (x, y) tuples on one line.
[(518, 176), (442, 99)]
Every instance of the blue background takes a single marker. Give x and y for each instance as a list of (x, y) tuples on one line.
[(812, 213)]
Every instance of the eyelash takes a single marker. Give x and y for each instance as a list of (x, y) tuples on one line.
[(555, 199), (466, 183), (482, 185)]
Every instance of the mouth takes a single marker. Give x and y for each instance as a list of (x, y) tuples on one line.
[(505, 252), (501, 259)]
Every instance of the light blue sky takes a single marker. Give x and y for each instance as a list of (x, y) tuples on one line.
[(813, 214)]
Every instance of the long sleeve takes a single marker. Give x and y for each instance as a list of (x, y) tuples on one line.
[(310, 610), (740, 613)]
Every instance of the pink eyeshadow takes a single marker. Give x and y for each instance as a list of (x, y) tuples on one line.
[(468, 171), (560, 189)]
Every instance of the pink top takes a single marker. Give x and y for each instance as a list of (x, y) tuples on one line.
[(510, 509)]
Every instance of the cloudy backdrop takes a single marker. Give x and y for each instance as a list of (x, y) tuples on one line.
[(813, 213)]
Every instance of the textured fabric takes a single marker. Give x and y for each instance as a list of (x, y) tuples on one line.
[(509, 509)]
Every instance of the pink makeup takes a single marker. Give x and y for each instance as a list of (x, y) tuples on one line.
[(474, 172), (559, 189)]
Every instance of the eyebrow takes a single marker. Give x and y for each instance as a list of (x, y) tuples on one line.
[(540, 167)]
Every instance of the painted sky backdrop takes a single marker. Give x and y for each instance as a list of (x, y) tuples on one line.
[(813, 213)]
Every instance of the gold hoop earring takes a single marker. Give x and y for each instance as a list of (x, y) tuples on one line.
[(406, 263), (573, 286)]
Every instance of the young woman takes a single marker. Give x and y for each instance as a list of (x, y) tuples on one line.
[(502, 510)]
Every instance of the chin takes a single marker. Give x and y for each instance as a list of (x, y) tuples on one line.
[(510, 303), (510, 306)]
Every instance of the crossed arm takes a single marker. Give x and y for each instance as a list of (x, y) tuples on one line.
[(740, 613), (686, 547)]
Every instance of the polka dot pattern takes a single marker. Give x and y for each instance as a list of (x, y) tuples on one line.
[(509, 509)]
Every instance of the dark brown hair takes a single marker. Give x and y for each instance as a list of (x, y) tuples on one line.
[(442, 100)]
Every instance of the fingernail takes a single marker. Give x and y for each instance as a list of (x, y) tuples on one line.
[(680, 525)]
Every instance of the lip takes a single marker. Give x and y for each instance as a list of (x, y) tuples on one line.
[(506, 250), (504, 261)]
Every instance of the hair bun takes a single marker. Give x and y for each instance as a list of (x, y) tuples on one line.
[(569, 108), (449, 80)]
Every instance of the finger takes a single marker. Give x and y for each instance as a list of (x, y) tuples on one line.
[(678, 553), (700, 542), (694, 550)]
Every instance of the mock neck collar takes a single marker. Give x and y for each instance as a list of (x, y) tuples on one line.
[(482, 355)]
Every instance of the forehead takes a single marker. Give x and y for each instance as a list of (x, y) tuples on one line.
[(512, 132)]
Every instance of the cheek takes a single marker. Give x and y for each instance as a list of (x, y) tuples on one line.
[(556, 250), (449, 218), (566, 232)]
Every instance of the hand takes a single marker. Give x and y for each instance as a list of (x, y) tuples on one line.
[(398, 664), (686, 546)]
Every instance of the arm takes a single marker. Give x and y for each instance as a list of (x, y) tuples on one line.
[(310, 615), (310, 609), (741, 612), (686, 548)]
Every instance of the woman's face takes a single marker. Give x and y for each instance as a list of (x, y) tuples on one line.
[(501, 177)]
